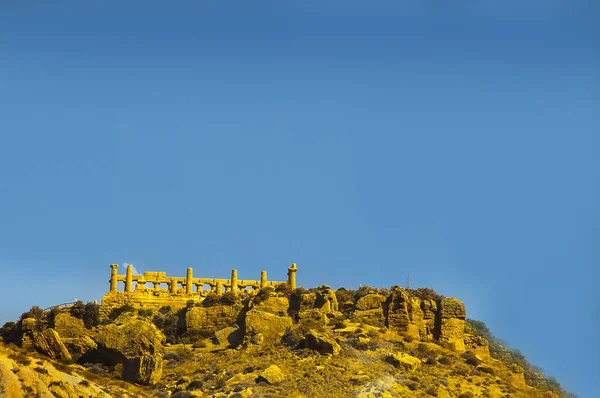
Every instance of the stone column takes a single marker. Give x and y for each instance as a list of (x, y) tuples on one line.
[(219, 288), (292, 276), (113, 277), (234, 281), (128, 278), (173, 286), (188, 281), (263, 279)]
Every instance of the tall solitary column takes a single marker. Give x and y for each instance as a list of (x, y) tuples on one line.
[(128, 278), (263, 279), (188, 281), (173, 286), (113, 277), (234, 281), (292, 276), (219, 288)]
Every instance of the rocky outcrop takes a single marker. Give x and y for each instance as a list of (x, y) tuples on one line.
[(321, 342), (264, 328), (478, 346), (399, 314), (137, 343), (49, 343), (312, 319), (67, 326), (228, 336), (207, 320), (452, 323)]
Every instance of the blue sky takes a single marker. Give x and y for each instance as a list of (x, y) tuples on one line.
[(458, 143)]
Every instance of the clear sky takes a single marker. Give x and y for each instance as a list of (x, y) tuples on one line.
[(455, 142)]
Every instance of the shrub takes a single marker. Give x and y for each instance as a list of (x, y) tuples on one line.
[(263, 295), (115, 312), (228, 298), (344, 295), (194, 385), (91, 315), (145, 312), (292, 338), (425, 293), (41, 370), (284, 289), (211, 300), (470, 359), (466, 395), (164, 310), (84, 383)]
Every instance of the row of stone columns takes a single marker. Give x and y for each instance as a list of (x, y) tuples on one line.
[(189, 277)]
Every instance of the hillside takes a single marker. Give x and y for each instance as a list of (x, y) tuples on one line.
[(277, 342)]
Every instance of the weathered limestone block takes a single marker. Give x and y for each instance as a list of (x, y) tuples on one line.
[(322, 343), (78, 346), (207, 320), (452, 322), (131, 337), (313, 318), (272, 375), (397, 315), (265, 328), (404, 361), (67, 326), (416, 316), (144, 370), (49, 343), (326, 300), (274, 305), (228, 336), (370, 302)]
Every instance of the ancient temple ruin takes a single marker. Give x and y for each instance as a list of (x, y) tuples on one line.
[(176, 291)]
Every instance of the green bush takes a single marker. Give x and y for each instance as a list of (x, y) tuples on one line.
[(115, 312), (228, 298)]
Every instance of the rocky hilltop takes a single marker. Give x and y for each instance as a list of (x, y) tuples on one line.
[(273, 342)]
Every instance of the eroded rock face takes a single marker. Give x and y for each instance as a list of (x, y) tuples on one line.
[(399, 313), (313, 318), (452, 323), (322, 343), (228, 336), (68, 326), (265, 328), (274, 305), (49, 343)]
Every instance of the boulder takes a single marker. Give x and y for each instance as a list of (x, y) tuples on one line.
[(271, 375), (131, 337), (137, 343), (207, 320), (370, 302), (78, 346), (274, 305), (312, 319), (321, 342), (49, 343), (68, 326), (263, 327), (145, 369), (28, 324), (404, 361), (227, 336)]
